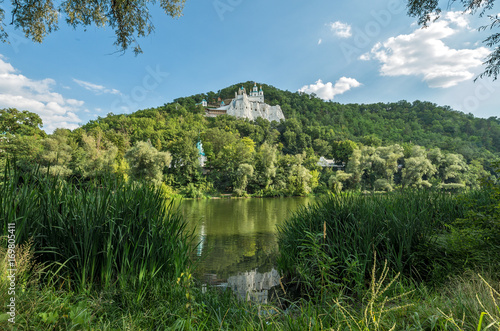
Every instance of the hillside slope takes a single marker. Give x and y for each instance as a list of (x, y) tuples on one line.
[(421, 123)]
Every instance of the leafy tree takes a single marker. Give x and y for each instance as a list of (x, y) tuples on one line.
[(371, 140), (56, 154), (18, 122), (20, 149), (382, 184), (453, 170), (121, 169), (321, 147), (368, 163), (475, 174), (355, 169), (299, 180), (335, 182), (315, 176), (311, 159), (418, 169), (185, 165), (146, 162), (97, 159), (129, 19), (426, 10), (225, 152), (265, 165), (385, 164), (342, 150), (244, 172)]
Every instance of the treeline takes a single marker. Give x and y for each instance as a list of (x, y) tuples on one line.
[(263, 158), (421, 123)]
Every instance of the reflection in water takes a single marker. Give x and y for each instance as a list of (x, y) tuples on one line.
[(201, 240), (253, 285), (237, 242)]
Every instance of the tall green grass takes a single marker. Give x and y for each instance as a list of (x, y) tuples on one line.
[(97, 235), (333, 242), (112, 244)]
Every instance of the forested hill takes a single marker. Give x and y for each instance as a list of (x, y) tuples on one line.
[(421, 123), (379, 147)]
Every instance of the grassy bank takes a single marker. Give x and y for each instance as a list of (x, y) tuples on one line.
[(107, 237), (412, 259), (115, 256)]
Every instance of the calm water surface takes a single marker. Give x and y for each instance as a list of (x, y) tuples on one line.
[(237, 243)]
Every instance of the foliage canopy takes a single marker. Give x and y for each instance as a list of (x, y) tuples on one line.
[(129, 19)]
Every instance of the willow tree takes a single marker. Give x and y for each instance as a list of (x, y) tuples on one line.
[(418, 169), (244, 172), (98, 159), (129, 19), (265, 164), (56, 155), (336, 181), (146, 162), (385, 164)]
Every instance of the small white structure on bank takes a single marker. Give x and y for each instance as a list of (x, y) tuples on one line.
[(327, 163), (323, 162), (251, 106)]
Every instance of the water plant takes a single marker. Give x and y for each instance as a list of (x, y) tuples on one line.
[(97, 235), (340, 233)]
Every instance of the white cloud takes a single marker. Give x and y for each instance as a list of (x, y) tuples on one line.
[(458, 18), (328, 91), (74, 102), (365, 57), (97, 89), (20, 92), (342, 30), (423, 53), (320, 41)]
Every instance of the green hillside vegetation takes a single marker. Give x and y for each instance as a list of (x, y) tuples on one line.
[(99, 244), (377, 147)]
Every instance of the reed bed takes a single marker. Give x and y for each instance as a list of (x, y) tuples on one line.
[(333, 242), (115, 256), (97, 235)]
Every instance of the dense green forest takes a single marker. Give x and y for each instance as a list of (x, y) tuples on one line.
[(377, 147)]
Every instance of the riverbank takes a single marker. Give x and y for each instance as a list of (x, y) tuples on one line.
[(95, 263), (458, 305)]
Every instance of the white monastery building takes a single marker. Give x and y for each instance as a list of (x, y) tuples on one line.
[(248, 106)]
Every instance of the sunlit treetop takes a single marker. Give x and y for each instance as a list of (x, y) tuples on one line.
[(17, 122), (130, 19)]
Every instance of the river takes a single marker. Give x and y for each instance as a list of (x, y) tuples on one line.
[(236, 241)]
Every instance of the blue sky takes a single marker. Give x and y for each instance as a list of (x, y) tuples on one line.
[(346, 51)]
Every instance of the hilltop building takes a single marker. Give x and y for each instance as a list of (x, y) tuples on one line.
[(249, 106)]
